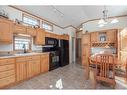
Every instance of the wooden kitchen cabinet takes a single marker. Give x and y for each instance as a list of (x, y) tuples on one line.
[(44, 63), (19, 29), (94, 37), (21, 69), (7, 71), (36, 67), (31, 31), (40, 37), (112, 36), (6, 29)]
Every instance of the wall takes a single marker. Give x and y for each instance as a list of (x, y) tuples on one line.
[(16, 14), (71, 31)]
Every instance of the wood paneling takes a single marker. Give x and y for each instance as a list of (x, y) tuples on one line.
[(85, 49)]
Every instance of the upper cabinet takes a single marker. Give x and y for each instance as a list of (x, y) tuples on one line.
[(31, 31), (104, 38), (19, 29), (94, 37), (64, 37), (112, 36), (40, 37), (6, 29)]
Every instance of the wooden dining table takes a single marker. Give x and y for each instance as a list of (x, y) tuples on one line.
[(92, 61)]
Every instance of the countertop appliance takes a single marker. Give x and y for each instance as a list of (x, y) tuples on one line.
[(54, 52), (51, 41), (64, 52)]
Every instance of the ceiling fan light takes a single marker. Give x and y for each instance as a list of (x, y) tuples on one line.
[(115, 20), (101, 21), (101, 25)]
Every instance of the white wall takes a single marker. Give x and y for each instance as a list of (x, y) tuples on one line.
[(16, 14), (72, 32)]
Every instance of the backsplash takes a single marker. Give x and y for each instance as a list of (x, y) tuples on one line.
[(98, 49), (4, 47)]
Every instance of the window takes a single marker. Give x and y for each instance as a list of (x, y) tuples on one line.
[(30, 20), (19, 43), (47, 26)]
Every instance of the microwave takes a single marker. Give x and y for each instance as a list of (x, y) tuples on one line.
[(51, 41)]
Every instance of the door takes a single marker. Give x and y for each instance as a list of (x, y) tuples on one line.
[(21, 70), (78, 50)]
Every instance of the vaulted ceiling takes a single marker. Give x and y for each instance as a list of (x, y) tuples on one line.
[(72, 15)]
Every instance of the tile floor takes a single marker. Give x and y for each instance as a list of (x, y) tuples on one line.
[(72, 76)]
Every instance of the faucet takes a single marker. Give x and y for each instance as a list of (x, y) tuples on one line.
[(24, 47)]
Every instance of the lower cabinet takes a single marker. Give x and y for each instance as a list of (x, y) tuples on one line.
[(33, 68), (21, 70), (45, 63), (36, 69), (7, 71), (17, 69)]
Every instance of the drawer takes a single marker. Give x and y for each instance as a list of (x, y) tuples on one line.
[(37, 57), (29, 58), (7, 61), (7, 73), (7, 80), (20, 59), (7, 67)]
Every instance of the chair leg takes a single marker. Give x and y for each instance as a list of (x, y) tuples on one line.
[(114, 84), (95, 84)]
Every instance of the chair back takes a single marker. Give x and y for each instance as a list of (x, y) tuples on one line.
[(105, 65)]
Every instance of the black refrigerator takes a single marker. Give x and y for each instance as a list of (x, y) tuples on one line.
[(64, 52)]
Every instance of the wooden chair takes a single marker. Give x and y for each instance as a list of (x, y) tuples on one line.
[(121, 70), (105, 69)]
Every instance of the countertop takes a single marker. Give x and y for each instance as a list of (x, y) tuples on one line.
[(20, 55)]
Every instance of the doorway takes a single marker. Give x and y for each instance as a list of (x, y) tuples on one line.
[(73, 50)]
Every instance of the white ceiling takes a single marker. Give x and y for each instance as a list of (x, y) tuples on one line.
[(73, 15)]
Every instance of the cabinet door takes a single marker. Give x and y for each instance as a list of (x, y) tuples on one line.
[(112, 36), (36, 67), (94, 37), (40, 37), (30, 69), (6, 28), (45, 63), (86, 39), (21, 71), (19, 29), (31, 31)]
